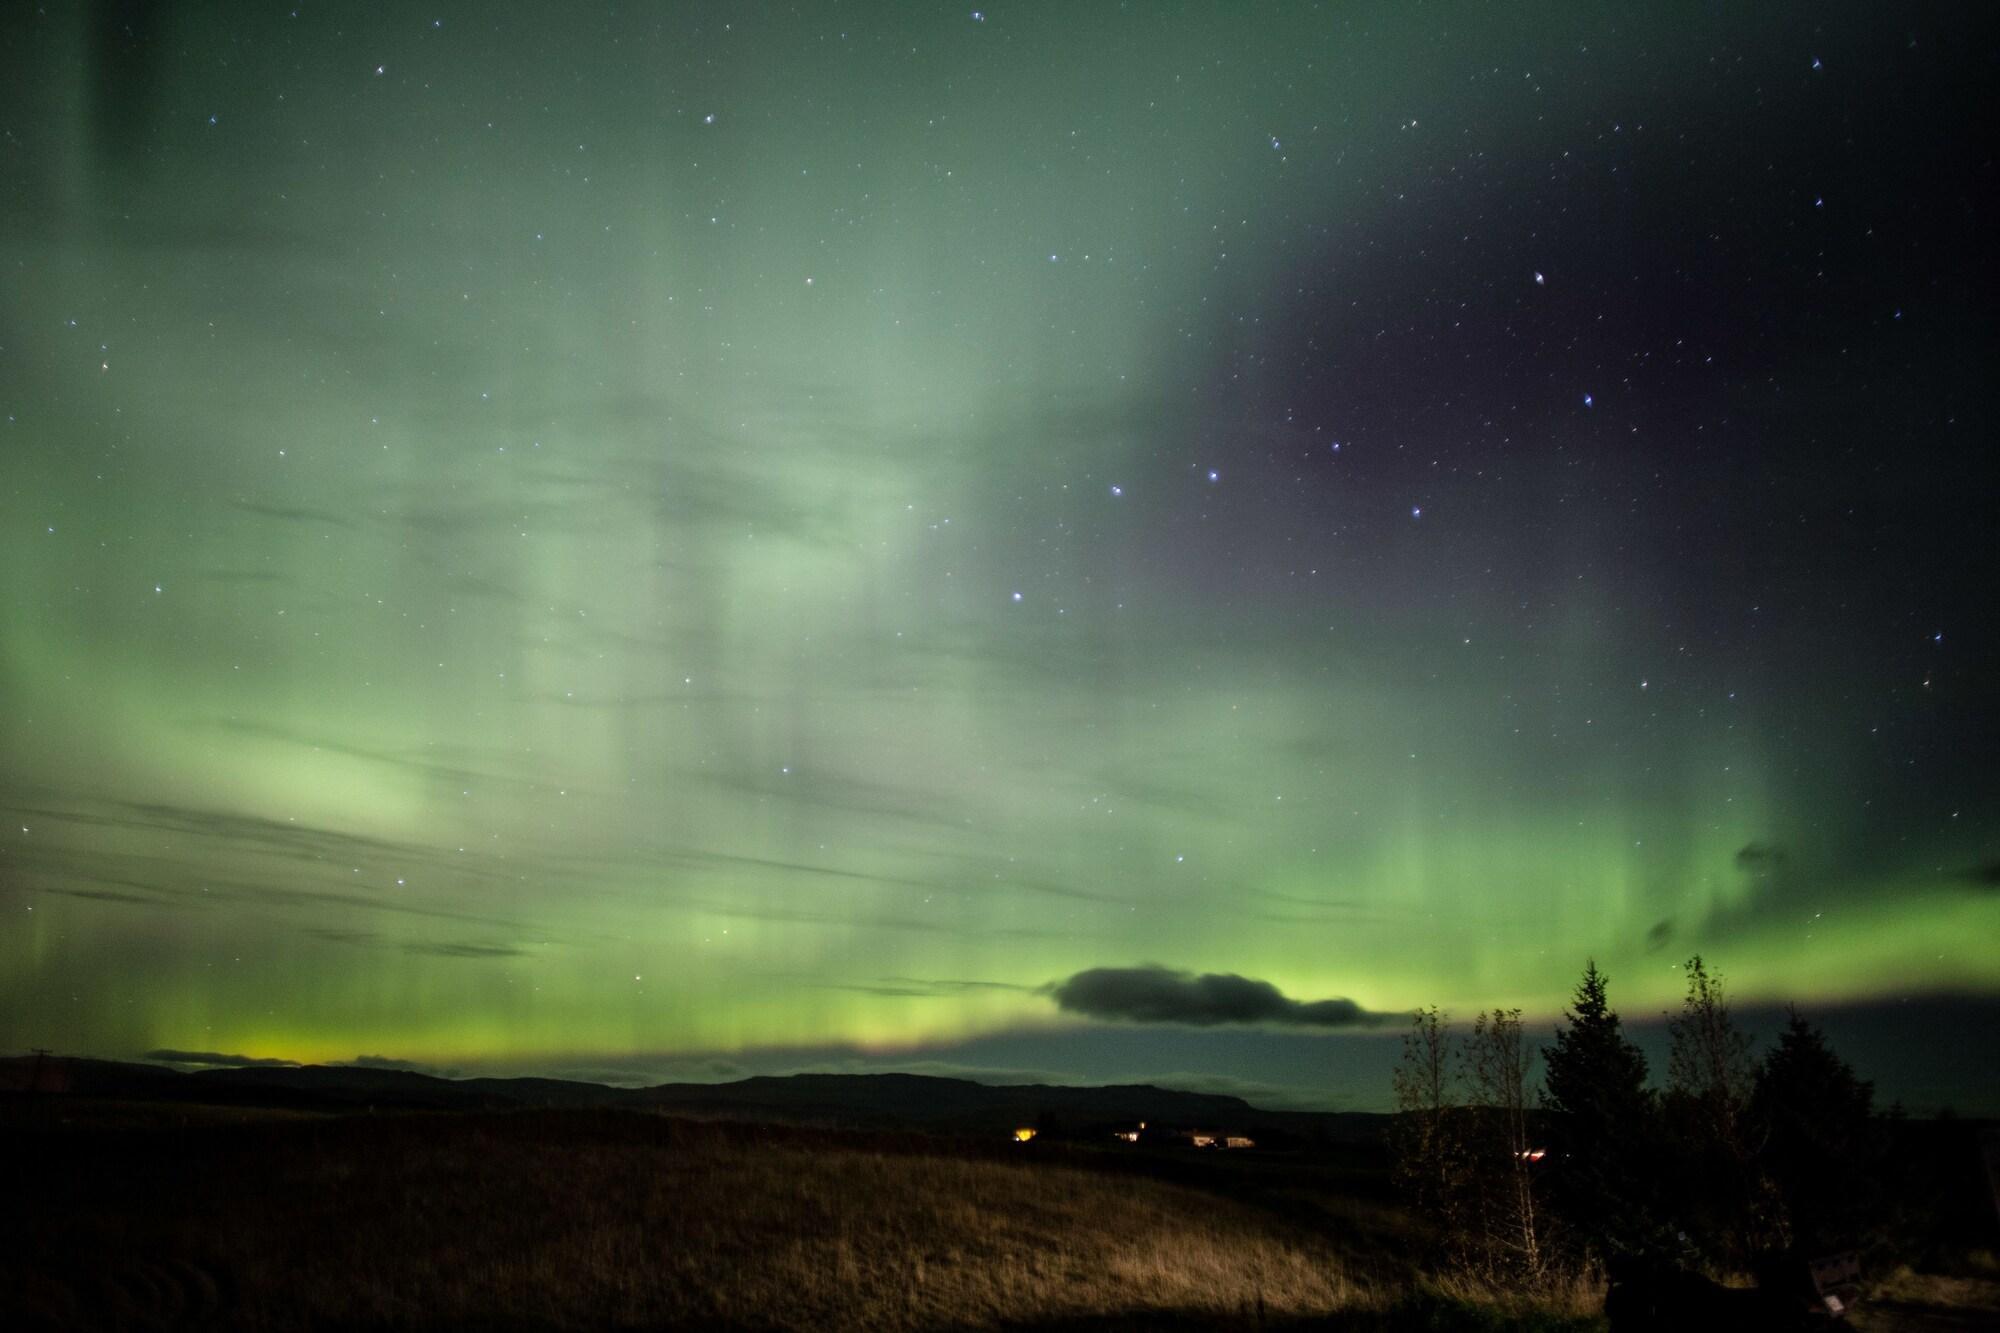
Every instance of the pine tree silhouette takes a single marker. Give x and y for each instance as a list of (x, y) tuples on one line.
[(1603, 1122)]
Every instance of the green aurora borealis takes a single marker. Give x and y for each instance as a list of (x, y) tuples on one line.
[(563, 540)]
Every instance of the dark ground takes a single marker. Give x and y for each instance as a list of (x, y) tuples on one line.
[(141, 1214)]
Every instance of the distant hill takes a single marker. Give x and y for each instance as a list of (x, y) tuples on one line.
[(875, 1101), (951, 1104)]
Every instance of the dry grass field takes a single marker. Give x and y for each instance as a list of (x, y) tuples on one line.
[(589, 1220), (1908, 1302)]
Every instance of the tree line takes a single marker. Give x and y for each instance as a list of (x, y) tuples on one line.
[(1734, 1160)]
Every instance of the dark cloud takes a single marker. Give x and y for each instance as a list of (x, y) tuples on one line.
[(386, 1063), (110, 896), (239, 891), (279, 837), (1661, 932), (1759, 858), (1324, 904), (851, 920), (241, 576), (218, 1060), (461, 949), (842, 792), (920, 987), (345, 936), (452, 775), (962, 875), (1154, 994), (1985, 875), (292, 514), (182, 875), (472, 585)]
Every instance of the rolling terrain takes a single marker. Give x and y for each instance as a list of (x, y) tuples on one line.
[(279, 1198)]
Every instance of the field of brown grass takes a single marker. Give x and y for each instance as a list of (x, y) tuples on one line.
[(587, 1220), (1910, 1302)]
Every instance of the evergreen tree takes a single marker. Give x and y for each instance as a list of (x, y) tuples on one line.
[(1602, 1122), (1822, 1143)]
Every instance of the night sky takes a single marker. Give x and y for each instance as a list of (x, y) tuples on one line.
[(677, 540)]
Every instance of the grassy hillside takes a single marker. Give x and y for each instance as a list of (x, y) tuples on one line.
[(600, 1218)]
